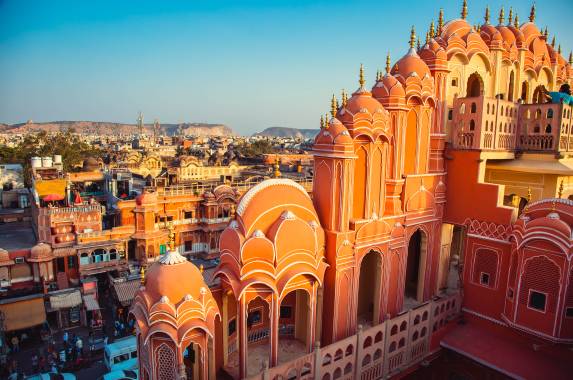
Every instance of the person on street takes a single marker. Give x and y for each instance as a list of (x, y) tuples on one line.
[(80, 346), (15, 344)]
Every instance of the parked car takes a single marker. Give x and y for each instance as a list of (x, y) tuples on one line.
[(121, 354), (124, 374)]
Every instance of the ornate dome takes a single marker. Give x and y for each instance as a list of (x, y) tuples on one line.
[(174, 277), (458, 27), (363, 102), (41, 252), (336, 133), (410, 65), (389, 90)]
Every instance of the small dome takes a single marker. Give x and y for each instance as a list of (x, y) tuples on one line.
[(146, 199), (409, 65), (389, 87), (41, 252), (529, 31), (506, 34), (336, 133), (175, 278), (459, 27), (363, 102), (90, 164)]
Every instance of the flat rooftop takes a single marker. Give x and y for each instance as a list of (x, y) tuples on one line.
[(17, 235)]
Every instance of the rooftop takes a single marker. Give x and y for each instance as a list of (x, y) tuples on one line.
[(15, 236)]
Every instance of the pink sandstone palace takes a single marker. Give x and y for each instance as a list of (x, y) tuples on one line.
[(436, 240)]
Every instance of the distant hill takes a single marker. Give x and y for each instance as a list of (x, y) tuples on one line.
[(288, 132), (107, 128)]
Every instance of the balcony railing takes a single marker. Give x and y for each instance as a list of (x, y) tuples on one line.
[(378, 352), (493, 124)]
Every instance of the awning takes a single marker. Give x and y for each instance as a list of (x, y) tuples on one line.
[(125, 291), (24, 312), (53, 186), (62, 252), (65, 300), (91, 302)]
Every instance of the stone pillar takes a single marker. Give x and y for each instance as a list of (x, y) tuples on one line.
[(274, 330), (242, 309), (317, 361), (312, 299)]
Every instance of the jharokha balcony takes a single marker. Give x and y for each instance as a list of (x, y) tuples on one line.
[(482, 123)]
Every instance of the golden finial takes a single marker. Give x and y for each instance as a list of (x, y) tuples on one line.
[(553, 42), (528, 194), (427, 38), (361, 77), (418, 44), (510, 18), (560, 192), (553, 205), (571, 58), (142, 275), (412, 37), (432, 30), (501, 16), (440, 21), (532, 13), (326, 118), (201, 268), (559, 49), (333, 107), (344, 99), (388, 63), (516, 22), (171, 236), (465, 10), (321, 121), (486, 17)]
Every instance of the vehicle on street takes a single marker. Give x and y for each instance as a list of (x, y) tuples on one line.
[(121, 354)]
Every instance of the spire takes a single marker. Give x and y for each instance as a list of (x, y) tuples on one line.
[(553, 42), (432, 29), (412, 37), (333, 106), (321, 122), (559, 49), (427, 38), (172, 256), (441, 21), (532, 13), (361, 78), (142, 275), (344, 99), (326, 120), (465, 10), (571, 58), (510, 18), (516, 22), (501, 16), (486, 17), (560, 193), (545, 33), (388, 63), (418, 44)]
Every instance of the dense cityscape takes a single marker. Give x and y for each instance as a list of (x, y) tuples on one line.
[(423, 230)]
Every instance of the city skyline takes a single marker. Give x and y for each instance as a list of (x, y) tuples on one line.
[(249, 66)]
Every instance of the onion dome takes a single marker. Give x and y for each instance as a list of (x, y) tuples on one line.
[(411, 64), (334, 133), (434, 54), (388, 90), (146, 199), (41, 252), (553, 222), (529, 29), (5, 258)]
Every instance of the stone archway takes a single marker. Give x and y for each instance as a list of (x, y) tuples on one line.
[(369, 283), (475, 86), (414, 276)]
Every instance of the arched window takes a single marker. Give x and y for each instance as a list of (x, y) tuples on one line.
[(473, 108), (536, 129), (487, 108), (524, 91), (538, 114), (501, 111), (548, 129), (113, 254), (511, 85), (474, 86), (550, 113), (472, 125)]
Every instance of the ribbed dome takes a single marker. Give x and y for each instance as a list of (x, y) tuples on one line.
[(175, 278), (389, 89), (41, 252), (336, 133), (410, 64), (362, 101)]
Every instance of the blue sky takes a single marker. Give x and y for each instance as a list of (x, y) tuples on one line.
[(248, 64)]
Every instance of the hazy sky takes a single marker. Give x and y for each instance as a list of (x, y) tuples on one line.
[(248, 64)]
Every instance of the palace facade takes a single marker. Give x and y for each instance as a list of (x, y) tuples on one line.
[(440, 195)]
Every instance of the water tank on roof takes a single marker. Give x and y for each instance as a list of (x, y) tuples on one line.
[(46, 162), (36, 162), (57, 159)]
